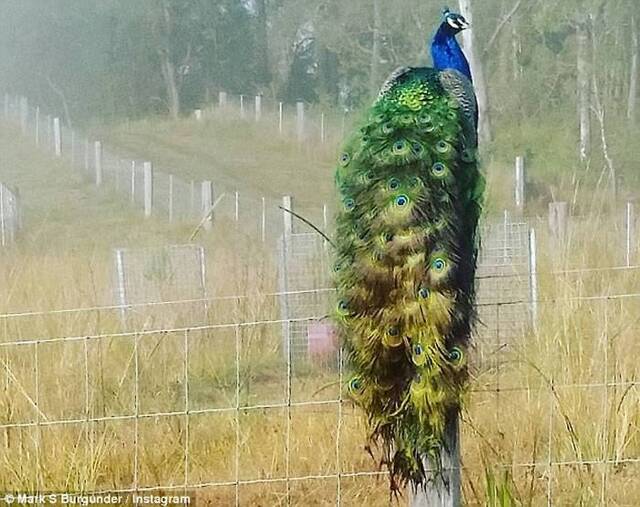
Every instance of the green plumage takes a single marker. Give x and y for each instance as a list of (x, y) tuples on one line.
[(405, 263)]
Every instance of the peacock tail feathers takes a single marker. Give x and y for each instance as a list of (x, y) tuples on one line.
[(405, 261)]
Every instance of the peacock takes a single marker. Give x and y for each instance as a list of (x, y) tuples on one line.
[(406, 247)]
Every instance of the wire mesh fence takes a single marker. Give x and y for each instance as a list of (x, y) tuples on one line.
[(148, 187), (224, 412)]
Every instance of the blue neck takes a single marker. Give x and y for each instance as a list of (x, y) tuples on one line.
[(446, 51)]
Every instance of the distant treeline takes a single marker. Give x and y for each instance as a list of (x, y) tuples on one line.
[(122, 58)]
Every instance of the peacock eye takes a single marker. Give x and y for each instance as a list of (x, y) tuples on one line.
[(387, 128), (399, 147), (345, 158), (337, 267), (355, 385), (417, 148), (349, 204), (438, 169), (438, 264), (393, 184), (401, 200), (442, 146), (455, 355), (394, 331), (452, 115), (417, 349), (406, 119), (343, 306), (423, 293), (424, 119)]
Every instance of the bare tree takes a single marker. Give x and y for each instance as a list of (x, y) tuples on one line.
[(375, 50), (484, 126), (583, 84)]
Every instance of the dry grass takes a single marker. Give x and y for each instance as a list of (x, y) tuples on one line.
[(553, 412)]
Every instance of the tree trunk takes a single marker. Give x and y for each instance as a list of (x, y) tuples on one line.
[(263, 71), (480, 85), (167, 65), (374, 80), (171, 84), (584, 118), (633, 78)]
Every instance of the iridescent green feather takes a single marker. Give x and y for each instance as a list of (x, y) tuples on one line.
[(405, 262)]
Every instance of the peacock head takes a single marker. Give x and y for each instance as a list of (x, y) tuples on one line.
[(453, 22)]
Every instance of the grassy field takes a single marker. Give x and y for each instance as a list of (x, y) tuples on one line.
[(553, 413)]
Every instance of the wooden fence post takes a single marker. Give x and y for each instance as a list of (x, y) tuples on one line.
[(300, 120), (207, 202), (73, 148), (98, 159), (148, 189), (558, 219), (237, 206), (198, 114), (171, 198), (258, 107), (533, 279), (519, 184), (242, 106), (222, 99), (133, 182), (3, 227), (264, 220), (280, 117), (629, 226), (57, 137), (444, 489), (322, 136), (37, 128), (24, 114), (287, 203)]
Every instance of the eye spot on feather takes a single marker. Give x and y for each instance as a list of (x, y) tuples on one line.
[(423, 293), (418, 356), (442, 146), (393, 184), (387, 128), (401, 201), (424, 119), (406, 119), (400, 147), (356, 385), (439, 170), (349, 205), (345, 158), (438, 264), (393, 331), (455, 355), (451, 115), (343, 308)]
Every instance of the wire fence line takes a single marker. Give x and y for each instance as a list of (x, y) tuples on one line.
[(153, 190), (89, 418)]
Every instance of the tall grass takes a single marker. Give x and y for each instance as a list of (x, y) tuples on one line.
[(553, 413)]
